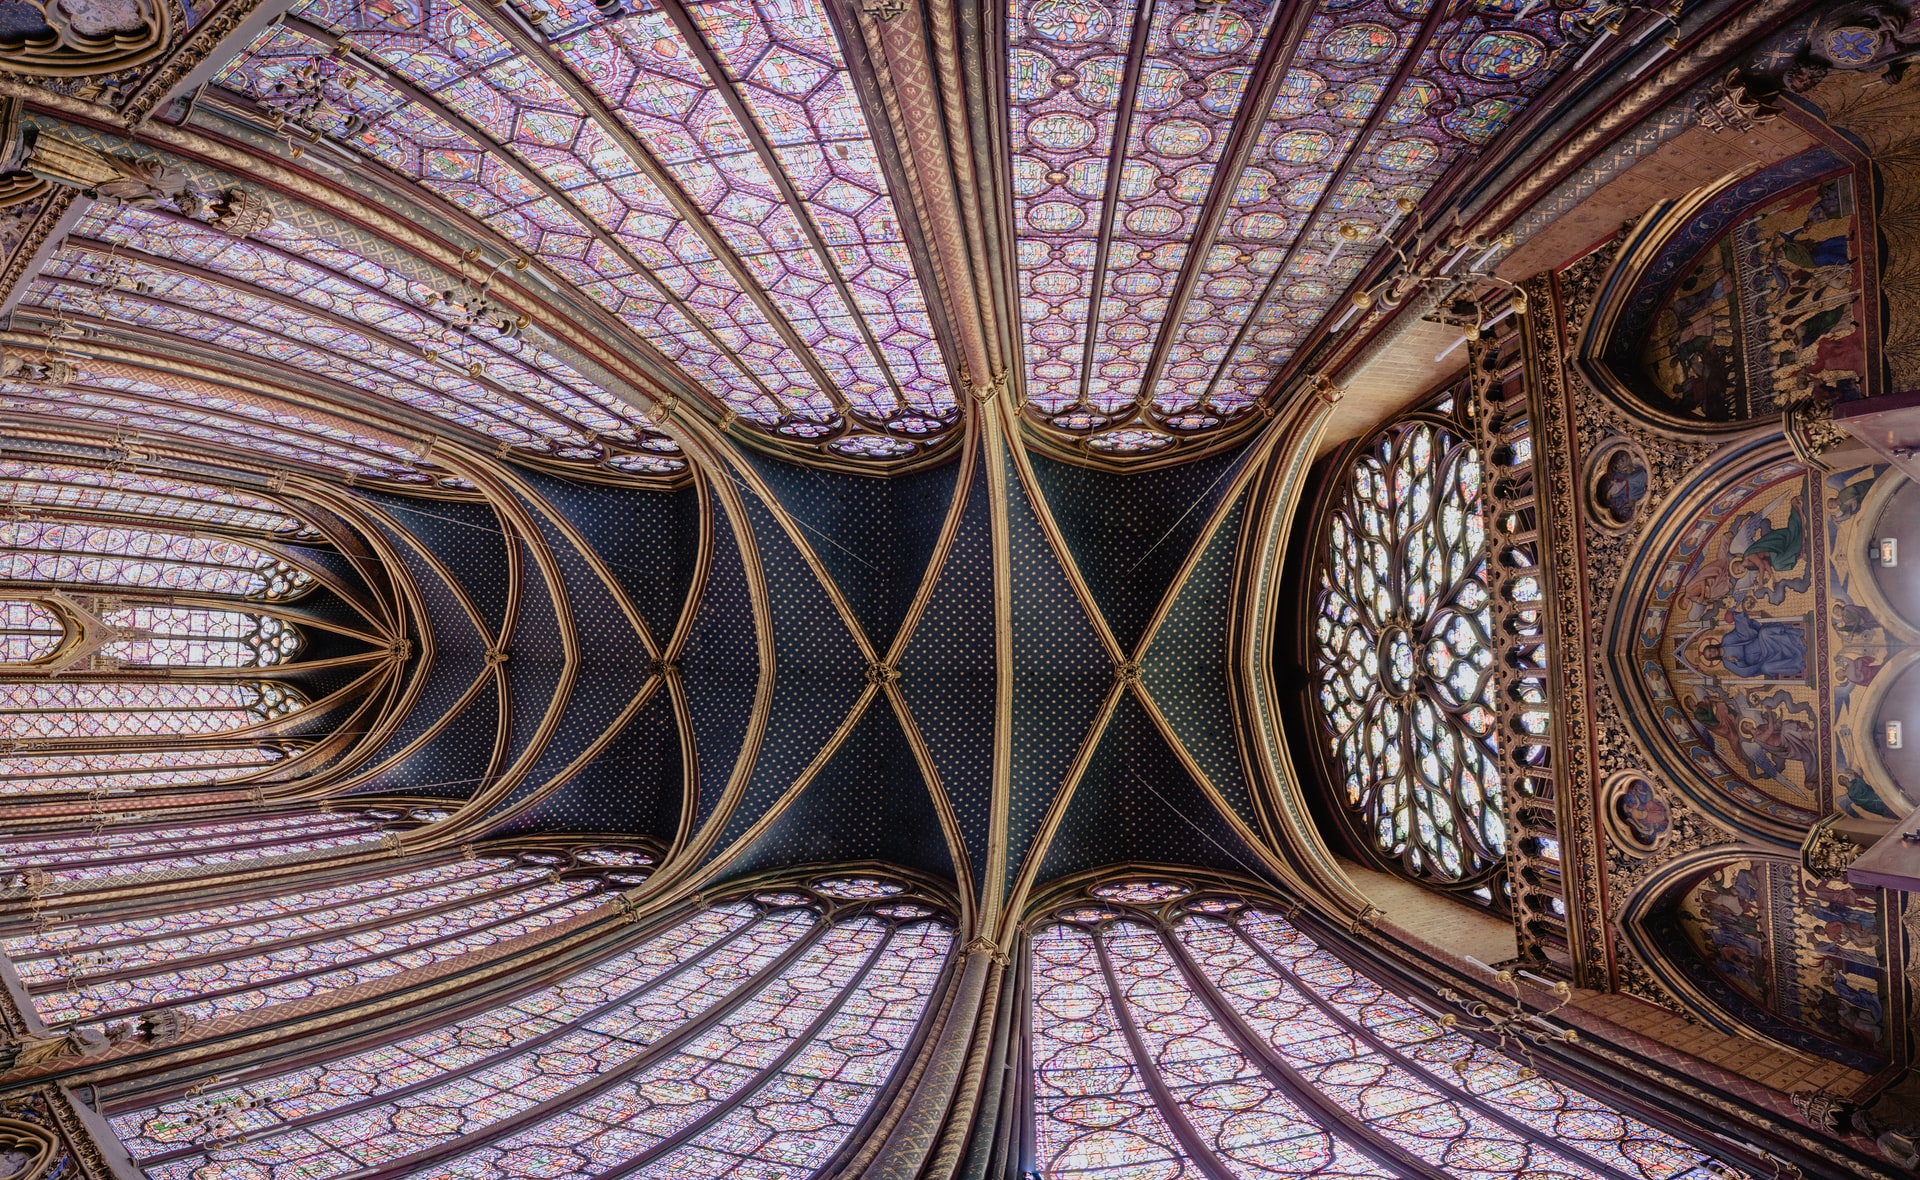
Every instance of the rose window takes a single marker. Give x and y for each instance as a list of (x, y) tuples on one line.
[(1401, 654)]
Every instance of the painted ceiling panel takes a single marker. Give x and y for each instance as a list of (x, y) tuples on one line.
[(1136, 802), (648, 538), (818, 675), (874, 536), (949, 676), (1061, 673), (630, 788), (457, 662), (1186, 670), (1166, 275), (720, 668), (466, 539), (869, 802), (1129, 532)]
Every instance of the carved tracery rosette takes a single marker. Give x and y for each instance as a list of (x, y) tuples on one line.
[(26, 1151), (86, 37)]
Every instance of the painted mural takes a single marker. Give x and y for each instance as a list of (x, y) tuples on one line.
[(1761, 643), (1780, 944), (1770, 313)]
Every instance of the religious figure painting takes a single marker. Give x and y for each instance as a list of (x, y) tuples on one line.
[(1735, 645), (1787, 946), (1770, 314)]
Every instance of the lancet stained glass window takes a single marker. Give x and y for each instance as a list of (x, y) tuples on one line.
[(28, 631), (1178, 1034), (111, 851), (38, 486), (120, 772), (84, 553), (773, 273), (234, 957), (1166, 279), (751, 1038), (1401, 651)]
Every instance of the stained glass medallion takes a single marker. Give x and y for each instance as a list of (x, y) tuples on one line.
[(1166, 283), (1220, 1040), (1402, 652)]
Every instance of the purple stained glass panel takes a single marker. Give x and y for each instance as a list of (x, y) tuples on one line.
[(37, 486), (1228, 1043), (120, 773), (86, 710)]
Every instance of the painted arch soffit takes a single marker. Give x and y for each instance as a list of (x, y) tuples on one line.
[(702, 173)]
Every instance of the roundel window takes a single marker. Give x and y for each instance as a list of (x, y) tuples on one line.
[(1401, 653)]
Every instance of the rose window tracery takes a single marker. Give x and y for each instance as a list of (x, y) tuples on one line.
[(1402, 652)]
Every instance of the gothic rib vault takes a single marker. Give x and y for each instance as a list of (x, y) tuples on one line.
[(705, 588)]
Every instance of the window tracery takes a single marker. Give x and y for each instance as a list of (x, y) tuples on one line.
[(750, 1038), (1402, 651), (1190, 1033), (234, 957), (35, 485), (82, 553), (192, 637), (29, 632)]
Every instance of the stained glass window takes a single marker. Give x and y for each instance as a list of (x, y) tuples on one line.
[(1219, 1040), (773, 273), (81, 709), (117, 773), (93, 490), (238, 956), (118, 397), (1402, 655), (80, 553), (748, 1039), (28, 631), (190, 637), (1166, 281), (111, 850)]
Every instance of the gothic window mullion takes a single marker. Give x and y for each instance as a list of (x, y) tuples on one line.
[(1183, 1129), (1360, 1030), (1285, 1077)]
